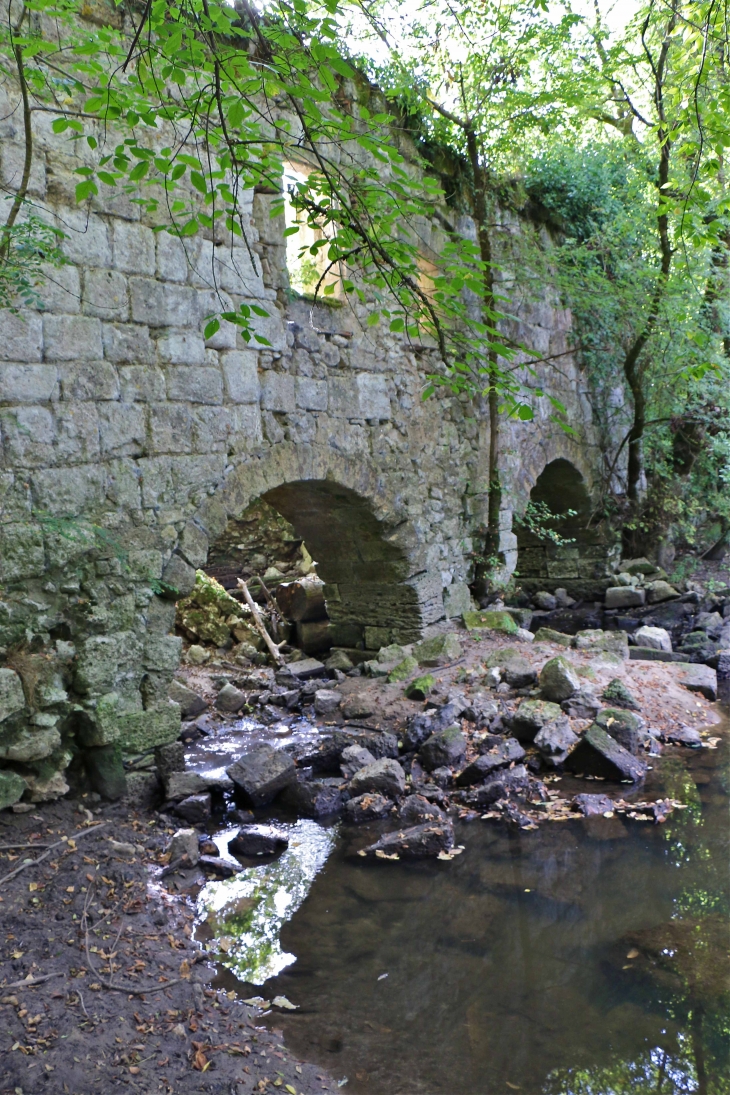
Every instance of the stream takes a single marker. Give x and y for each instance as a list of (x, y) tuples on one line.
[(589, 957)]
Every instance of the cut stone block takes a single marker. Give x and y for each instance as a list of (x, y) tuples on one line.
[(490, 620), (262, 773), (598, 754), (624, 597)]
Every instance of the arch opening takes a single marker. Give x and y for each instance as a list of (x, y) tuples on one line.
[(318, 532), (577, 562)]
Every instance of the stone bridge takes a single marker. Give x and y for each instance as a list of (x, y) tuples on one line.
[(129, 441)]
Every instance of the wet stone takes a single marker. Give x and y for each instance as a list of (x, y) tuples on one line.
[(416, 810), (593, 805), (502, 785), (447, 748), (506, 752), (367, 807), (315, 798), (262, 773), (195, 809), (384, 776), (598, 754), (555, 741), (258, 840), (417, 842)]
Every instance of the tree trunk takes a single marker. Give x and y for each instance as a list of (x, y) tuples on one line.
[(480, 211)]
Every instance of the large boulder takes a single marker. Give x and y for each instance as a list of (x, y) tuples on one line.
[(558, 680), (498, 756), (262, 773), (624, 727), (446, 749), (598, 754), (702, 679), (531, 716), (384, 776), (353, 758), (258, 840), (417, 842), (624, 597), (659, 591), (490, 620), (656, 638), (191, 704), (315, 798), (555, 741)]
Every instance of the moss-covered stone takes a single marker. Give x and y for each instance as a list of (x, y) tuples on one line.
[(211, 614), (11, 788), (548, 635), (141, 730), (12, 697), (421, 687), (403, 670), (490, 620), (439, 650), (105, 771)]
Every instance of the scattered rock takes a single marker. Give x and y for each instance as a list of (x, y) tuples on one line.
[(522, 635), (218, 866), (531, 716), (709, 622), (548, 635), (593, 805), (230, 699), (169, 758), (197, 655), (558, 680), (179, 785), (262, 773), (326, 701), (358, 706), (315, 798), (583, 704), (420, 687), (445, 749), (421, 727), (659, 591), (414, 843), (416, 810), (506, 752), (338, 659), (355, 757), (518, 672), (545, 601), (105, 771), (258, 840), (563, 599), (306, 669), (191, 704), (384, 776), (184, 843), (656, 638), (440, 650), (480, 710), (195, 808), (490, 620), (624, 597), (612, 642), (12, 787), (367, 807), (379, 742), (403, 670), (555, 741), (702, 679), (683, 735), (640, 566), (503, 784), (617, 693), (598, 754)]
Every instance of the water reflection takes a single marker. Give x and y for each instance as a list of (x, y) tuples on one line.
[(581, 959)]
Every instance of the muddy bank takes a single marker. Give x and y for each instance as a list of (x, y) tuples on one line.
[(121, 998)]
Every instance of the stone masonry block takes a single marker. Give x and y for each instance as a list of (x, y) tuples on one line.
[(140, 383), (122, 428), (311, 394), (69, 491), (87, 239), (193, 545), (362, 396), (141, 730), (170, 429), (162, 653), (277, 392), (28, 383), (182, 348), (21, 552), (60, 290), (29, 436), (72, 338), (21, 336), (240, 376), (105, 295), (249, 432), (194, 385), (128, 343), (172, 263), (161, 305), (88, 380), (134, 248)]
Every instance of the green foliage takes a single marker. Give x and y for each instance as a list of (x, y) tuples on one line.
[(27, 249), (537, 519)]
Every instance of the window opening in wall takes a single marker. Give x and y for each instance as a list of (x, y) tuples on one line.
[(306, 248)]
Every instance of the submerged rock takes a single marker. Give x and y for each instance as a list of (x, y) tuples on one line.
[(258, 840), (314, 798), (592, 805), (262, 773), (416, 842), (598, 754)]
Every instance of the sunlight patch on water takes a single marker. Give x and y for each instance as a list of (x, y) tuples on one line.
[(245, 913)]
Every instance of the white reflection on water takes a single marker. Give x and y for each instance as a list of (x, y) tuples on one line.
[(246, 912)]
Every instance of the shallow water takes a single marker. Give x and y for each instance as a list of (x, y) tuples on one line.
[(585, 958)]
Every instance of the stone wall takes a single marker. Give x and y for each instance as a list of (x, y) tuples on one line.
[(128, 441)]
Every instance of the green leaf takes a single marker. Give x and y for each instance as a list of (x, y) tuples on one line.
[(86, 189), (210, 328)]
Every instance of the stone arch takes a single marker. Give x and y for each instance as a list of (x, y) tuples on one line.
[(378, 586), (579, 566)]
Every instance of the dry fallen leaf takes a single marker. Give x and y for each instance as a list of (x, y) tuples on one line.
[(633, 953)]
